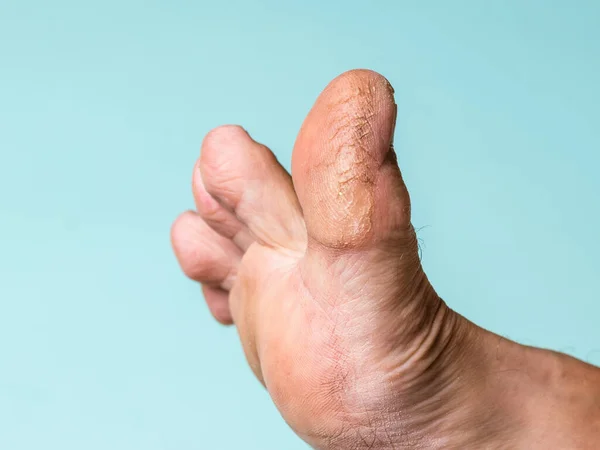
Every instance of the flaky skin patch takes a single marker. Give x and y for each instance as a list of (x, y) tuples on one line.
[(346, 153)]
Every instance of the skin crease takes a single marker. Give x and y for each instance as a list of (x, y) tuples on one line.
[(320, 273)]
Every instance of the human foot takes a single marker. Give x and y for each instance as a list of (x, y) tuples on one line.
[(322, 278)]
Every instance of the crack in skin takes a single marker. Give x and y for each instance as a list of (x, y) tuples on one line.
[(348, 132), (354, 164)]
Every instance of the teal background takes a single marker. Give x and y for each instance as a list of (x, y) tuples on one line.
[(103, 105)]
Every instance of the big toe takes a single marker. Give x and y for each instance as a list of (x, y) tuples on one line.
[(344, 166), (362, 256)]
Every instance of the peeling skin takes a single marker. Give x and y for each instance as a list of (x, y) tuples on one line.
[(355, 195), (346, 140), (355, 165)]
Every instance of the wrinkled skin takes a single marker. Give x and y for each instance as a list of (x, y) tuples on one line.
[(321, 275)]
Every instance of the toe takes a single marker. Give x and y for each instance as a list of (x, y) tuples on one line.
[(362, 256), (217, 216), (218, 303), (344, 165), (244, 177), (204, 255)]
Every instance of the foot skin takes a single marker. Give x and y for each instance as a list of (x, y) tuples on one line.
[(320, 273)]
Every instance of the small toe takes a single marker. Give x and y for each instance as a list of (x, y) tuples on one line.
[(217, 301), (204, 255), (246, 178), (217, 216)]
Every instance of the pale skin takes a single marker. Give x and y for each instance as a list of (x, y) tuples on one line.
[(320, 273)]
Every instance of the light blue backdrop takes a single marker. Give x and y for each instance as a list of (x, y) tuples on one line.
[(105, 345)]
